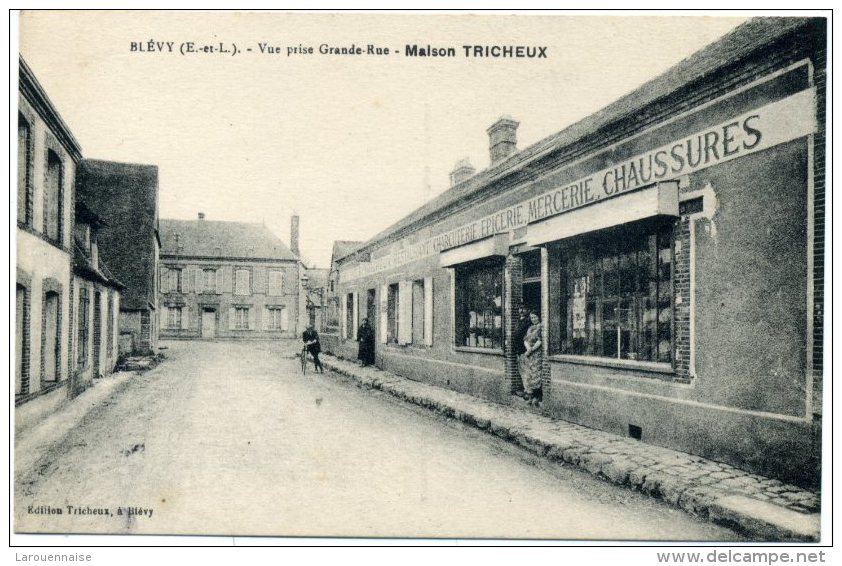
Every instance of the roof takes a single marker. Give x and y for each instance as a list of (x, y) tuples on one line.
[(214, 238), (743, 41), (32, 90), (126, 195), (317, 277), (341, 248), (84, 265)]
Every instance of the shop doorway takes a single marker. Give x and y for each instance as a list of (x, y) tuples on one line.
[(208, 324), (531, 280), (369, 307)]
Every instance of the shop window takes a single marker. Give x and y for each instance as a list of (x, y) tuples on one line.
[(53, 195), (616, 296), (24, 171), (174, 317), (392, 314), (479, 305), (242, 282)]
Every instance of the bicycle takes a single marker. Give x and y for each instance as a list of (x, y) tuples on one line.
[(304, 360)]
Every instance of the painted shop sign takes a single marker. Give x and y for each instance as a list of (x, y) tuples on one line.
[(779, 122)]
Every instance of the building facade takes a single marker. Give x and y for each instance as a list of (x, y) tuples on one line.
[(330, 334), (671, 243), (95, 311), (47, 158), (227, 280), (126, 196)]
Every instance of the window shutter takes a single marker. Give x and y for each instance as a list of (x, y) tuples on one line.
[(186, 272), (284, 320), (355, 315), (405, 312), (232, 314), (267, 315), (384, 313), (199, 281), (219, 281), (259, 281), (229, 280), (252, 318), (164, 279), (428, 311), (344, 322), (280, 276), (185, 318)]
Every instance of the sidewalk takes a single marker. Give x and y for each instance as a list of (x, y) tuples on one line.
[(759, 507)]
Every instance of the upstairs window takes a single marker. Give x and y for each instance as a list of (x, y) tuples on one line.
[(24, 171), (242, 282), (53, 197), (209, 281), (276, 283)]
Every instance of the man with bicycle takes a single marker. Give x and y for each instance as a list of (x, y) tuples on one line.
[(311, 343)]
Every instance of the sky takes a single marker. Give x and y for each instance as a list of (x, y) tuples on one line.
[(351, 143)]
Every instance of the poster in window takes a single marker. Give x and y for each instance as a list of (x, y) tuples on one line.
[(580, 305)]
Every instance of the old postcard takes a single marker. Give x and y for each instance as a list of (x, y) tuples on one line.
[(436, 275)]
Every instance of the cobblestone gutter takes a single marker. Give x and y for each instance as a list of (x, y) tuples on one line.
[(759, 507)]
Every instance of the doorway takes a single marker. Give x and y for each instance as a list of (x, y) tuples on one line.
[(369, 307), (51, 336), (208, 324), (531, 286)]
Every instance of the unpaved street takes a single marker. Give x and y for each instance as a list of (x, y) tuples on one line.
[(230, 439)]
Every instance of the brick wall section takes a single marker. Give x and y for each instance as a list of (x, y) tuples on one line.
[(681, 298), (514, 289), (820, 80)]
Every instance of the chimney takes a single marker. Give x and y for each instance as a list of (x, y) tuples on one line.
[(293, 234), (461, 171), (201, 216), (502, 138)]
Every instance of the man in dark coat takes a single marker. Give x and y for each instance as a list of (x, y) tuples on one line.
[(523, 325), (311, 341), (365, 336)]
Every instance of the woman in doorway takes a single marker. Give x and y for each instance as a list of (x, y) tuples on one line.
[(532, 378), (365, 336)]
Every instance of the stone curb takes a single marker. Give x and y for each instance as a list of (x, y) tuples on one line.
[(568, 443)]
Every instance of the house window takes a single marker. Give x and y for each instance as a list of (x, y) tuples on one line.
[(173, 317), (174, 283), (616, 297), (277, 320), (242, 282), (276, 282), (24, 171), (241, 318), (479, 305), (392, 316), (418, 312), (209, 281), (84, 303), (53, 195)]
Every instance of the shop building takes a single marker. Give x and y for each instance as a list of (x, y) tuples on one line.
[(126, 196), (227, 280), (672, 244), (330, 335)]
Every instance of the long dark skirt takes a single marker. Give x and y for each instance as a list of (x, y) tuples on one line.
[(366, 352)]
